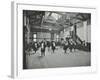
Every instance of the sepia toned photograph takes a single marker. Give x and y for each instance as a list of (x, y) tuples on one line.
[(55, 39)]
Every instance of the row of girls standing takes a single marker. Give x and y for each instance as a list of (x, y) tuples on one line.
[(42, 45), (69, 43), (48, 44)]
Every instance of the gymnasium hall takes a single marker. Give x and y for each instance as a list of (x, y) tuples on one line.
[(53, 39)]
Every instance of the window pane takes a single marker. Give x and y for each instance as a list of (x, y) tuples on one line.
[(34, 35)]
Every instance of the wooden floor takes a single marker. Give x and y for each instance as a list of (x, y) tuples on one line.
[(58, 59)]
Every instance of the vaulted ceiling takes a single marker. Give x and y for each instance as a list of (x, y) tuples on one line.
[(54, 21)]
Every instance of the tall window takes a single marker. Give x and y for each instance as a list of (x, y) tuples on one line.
[(34, 37)]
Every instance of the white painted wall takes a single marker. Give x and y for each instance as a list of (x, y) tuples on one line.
[(43, 35), (84, 31), (65, 33), (89, 33), (80, 33)]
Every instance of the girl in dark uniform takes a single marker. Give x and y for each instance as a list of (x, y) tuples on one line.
[(35, 47), (43, 48), (74, 45), (71, 45), (53, 46), (66, 44), (48, 45)]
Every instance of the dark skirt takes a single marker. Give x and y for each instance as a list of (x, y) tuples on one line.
[(35, 49), (65, 47), (53, 48), (42, 49), (71, 46)]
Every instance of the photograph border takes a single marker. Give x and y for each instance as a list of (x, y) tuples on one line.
[(16, 33)]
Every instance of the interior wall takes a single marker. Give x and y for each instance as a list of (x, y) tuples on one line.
[(43, 35), (55, 36), (61, 35), (84, 31), (89, 33), (80, 32), (65, 33)]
